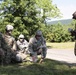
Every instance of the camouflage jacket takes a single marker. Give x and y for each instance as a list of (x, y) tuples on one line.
[(3, 43), (35, 44), (22, 45), (11, 42)]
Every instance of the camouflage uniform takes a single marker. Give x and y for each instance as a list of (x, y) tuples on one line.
[(22, 47), (10, 40), (36, 47), (5, 51)]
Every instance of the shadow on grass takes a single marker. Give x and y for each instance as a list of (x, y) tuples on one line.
[(48, 67), (49, 47)]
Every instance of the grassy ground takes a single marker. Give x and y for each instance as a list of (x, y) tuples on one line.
[(48, 67), (66, 45)]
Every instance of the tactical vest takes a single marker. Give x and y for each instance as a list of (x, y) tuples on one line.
[(9, 40), (36, 45)]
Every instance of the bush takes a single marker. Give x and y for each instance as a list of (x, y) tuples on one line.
[(57, 33)]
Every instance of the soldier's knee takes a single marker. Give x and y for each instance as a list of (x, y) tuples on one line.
[(18, 58), (44, 48)]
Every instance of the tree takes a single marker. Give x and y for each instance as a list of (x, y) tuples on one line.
[(22, 14), (48, 9)]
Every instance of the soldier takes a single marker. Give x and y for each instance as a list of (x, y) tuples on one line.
[(37, 45), (5, 51), (10, 40), (22, 47), (22, 43), (74, 32)]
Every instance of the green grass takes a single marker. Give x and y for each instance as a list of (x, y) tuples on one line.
[(48, 67), (66, 45)]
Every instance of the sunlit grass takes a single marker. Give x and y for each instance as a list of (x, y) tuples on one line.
[(66, 45)]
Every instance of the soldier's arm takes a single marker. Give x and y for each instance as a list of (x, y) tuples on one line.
[(26, 43), (30, 45), (43, 42), (14, 47), (4, 44)]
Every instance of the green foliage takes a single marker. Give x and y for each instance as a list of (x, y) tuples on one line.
[(26, 18), (63, 21), (48, 9), (22, 14), (58, 33)]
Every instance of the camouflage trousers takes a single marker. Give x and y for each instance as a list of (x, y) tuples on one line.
[(20, 56), (42, 52), (5, 57), (1, 56)]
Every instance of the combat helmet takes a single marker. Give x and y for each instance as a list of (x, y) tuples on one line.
[(21, 36), (9, 27), (39, 32)]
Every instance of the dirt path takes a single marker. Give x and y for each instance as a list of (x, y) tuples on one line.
[(62, 55)]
